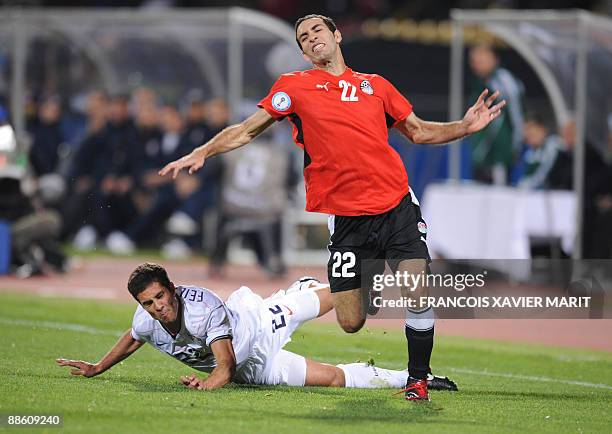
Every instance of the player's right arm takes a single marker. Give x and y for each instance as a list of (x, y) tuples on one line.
[(125, 346), (222, 374), (230, 138)]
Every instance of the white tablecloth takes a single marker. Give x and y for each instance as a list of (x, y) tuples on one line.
[(467, 221)]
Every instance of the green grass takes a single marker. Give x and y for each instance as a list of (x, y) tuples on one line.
[(143, 392)]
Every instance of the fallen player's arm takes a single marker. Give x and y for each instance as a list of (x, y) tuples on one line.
[(476, 118), (125, 346), (223, 372), (230, 138)]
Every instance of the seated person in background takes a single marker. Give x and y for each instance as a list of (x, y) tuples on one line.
[(44, 153), (540, 154), (150, 135), (34, 230), (165, 194), (254, 195), (114, 203), (204, 120), (46, 137), (194, 110), (84, 175)]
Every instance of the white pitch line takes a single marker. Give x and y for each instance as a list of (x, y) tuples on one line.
[(81, 292), (530, 378), (58, 326), (96, 331)]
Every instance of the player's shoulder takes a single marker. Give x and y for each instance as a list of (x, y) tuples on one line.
[(297, 79), (365, 75), (372, 78), (199, 306), (290, 77), (198, 302), (296, 75)]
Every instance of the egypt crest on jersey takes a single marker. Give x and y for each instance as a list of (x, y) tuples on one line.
[(366, 87)]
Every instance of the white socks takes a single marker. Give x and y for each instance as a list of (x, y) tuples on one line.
[(364, 376), (420, 320)]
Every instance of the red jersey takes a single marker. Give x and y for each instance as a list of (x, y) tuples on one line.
[(341, 123)]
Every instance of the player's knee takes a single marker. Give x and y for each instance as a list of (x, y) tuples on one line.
[(326, 302), (338, 379), (351, 325)]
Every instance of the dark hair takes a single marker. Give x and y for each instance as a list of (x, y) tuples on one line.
[(144, 275), (538, 118), (327, 20)]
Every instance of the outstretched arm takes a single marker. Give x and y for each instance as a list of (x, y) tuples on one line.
[(125, 346), (476, 118), (230, 138), (223, 372)]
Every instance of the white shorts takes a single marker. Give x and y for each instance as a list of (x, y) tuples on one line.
[(276, 319), (287, 369)]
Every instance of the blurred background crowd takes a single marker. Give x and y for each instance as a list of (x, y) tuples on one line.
[(93, 177), (89, 176)]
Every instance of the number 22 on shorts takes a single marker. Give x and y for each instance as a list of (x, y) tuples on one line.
[(345, 261)]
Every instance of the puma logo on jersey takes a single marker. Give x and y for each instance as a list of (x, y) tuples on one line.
[(323, 86)]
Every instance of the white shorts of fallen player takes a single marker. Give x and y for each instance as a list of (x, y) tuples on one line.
[(271, 322)]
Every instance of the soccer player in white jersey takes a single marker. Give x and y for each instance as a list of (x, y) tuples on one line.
[(238, 341)]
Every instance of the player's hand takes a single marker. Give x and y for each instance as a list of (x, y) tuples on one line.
[(483, 112), (193, 382), (194, 161), (81, 368)]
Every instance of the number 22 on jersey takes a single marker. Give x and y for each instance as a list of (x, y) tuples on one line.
[(348, 91)]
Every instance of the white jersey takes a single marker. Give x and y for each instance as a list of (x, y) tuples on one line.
[(204, 319), (257, 328)]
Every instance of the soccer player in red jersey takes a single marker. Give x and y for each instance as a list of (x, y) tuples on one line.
[(341, 120)]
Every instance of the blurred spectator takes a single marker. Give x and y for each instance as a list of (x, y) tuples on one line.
[(540, 155), (85, 173), (44, 153), (253, 198), (97, 111), (34, 233), (46, 137), (121, 150), (166, 194), (217, 115), (184, 225), (597, 206), (198, 130), (142, 98), (493, 148), (150, 138)]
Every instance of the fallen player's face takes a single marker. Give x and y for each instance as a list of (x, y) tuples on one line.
[(160, 302), (318, 42)]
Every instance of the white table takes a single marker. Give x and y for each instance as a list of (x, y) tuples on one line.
[(470, 221)]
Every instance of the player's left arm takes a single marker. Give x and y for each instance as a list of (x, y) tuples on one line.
[(222, 374), (476, 118)]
